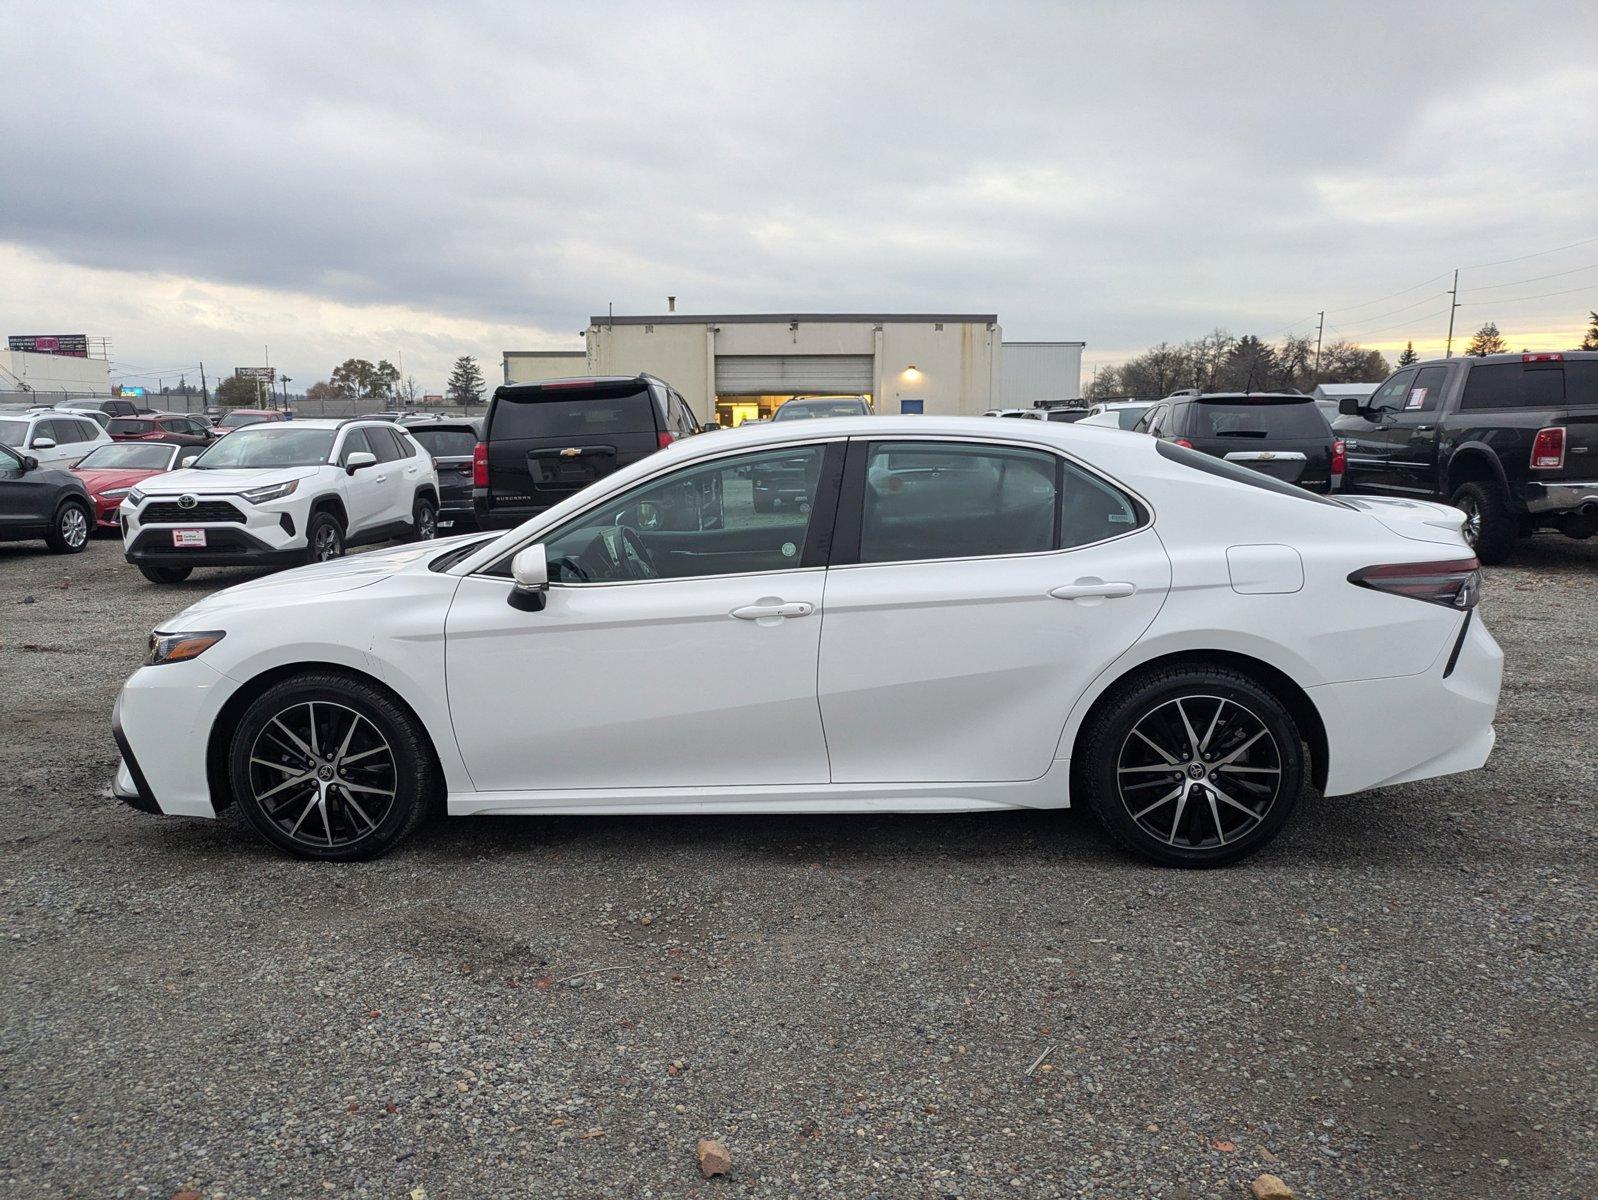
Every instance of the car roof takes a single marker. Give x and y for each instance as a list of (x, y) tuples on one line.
[(1515, 357), (1293, 397)]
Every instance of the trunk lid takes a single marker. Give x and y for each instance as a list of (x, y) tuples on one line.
[(1417, 520)]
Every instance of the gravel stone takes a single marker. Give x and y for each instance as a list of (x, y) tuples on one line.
[(1395, 999)]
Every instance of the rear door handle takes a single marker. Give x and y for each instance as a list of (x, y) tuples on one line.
[(1090, 589), (772, 611)]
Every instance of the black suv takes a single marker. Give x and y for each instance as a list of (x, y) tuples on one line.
[(543, 442), (451, 442), (1511, 439), (37, 502), (1280, 434)]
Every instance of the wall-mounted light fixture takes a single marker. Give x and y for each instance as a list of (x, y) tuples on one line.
[(910, 374)]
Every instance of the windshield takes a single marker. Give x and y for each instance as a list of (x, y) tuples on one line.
[(236, 420), (12, 433), (272, 445), (128, 455), (798, 410), (1127, 418), (1300, 419)]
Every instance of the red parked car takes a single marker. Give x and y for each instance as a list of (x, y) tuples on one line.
[(162, 427), (110, 472)]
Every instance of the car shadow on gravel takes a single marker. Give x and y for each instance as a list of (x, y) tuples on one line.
[(1395, 826)]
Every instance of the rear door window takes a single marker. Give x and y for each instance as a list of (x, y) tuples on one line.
[(1426, 393), (384, 444), (577, 416)]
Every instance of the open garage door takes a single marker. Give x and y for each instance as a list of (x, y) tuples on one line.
[(793, 374)]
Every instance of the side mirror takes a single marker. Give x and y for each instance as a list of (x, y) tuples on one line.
[(360, 460), (1348, 406), (29, 463), (708, 426), (44, 443), (530, 570)]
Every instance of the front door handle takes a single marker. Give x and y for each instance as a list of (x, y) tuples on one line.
[(1093, 589), (771, 611)]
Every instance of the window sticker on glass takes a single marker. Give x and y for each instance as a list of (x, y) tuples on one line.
[(1417, 398)]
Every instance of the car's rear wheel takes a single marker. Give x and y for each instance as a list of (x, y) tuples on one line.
[(69, 528), (328, 766), (424, 520), (324, 538), (165, 574), (1192, 766), (1490, 527)]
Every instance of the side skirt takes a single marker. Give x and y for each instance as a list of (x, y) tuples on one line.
[(1047, 792)]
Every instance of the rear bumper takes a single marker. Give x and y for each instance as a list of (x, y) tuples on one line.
[(1557, 496), (503, 516), (1385, 731)]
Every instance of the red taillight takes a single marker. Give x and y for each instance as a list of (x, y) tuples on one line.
[(667, 437), (1455, 583), (1548, 450), (1339, 457), (480, 465), (1182, 442), (1526, 358)]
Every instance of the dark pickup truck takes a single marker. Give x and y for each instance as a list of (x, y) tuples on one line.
[(1511, 439)]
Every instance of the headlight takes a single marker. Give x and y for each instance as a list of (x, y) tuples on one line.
[(135, 497), (180, 647), (274, 491), (114, 493)]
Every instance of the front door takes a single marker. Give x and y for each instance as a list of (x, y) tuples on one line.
[(1369, 443), (677, 647), (1409, 436), (366, 492), (988, 587)]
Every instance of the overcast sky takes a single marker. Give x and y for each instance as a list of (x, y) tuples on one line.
[(196, 181)]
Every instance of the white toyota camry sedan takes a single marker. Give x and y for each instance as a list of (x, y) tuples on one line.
[(902, 615)]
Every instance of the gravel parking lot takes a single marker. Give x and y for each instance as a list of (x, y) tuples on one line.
[(1393, 1000)]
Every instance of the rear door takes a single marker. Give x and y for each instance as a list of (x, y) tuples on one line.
[(398, 471), (977, 588), (548, 442), (1285, 439)]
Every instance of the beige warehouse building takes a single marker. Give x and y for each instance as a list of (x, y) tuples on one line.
[(737, 367)]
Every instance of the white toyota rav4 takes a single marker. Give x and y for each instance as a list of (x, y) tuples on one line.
[(281, 494)]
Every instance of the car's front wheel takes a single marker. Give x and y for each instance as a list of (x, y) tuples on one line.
[(1192, 766), (324, 538), (69, 530), (328, 766)]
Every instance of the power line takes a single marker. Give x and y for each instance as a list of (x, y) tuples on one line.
[(1389, 296), (1533, 279), (1518, 299), (1394, 312), (1409, 323), (1524, 257)]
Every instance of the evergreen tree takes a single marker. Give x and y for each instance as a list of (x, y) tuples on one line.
[(465, 386), (1590, 340), (1487, 341), (1408, 356)]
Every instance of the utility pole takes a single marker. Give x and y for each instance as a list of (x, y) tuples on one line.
[(1320, 331), (205, 392), (1453, 303)]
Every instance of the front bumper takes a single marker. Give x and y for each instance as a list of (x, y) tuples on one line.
[(226, 546), (162, 723)]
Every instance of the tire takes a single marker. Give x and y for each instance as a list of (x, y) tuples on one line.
[(424, 520), (165, 574), (1490, 527), (388, 765), (324, 538), (1134, 792), (70, 528)]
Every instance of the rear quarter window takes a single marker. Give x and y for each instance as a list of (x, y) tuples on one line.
[(574, 416)]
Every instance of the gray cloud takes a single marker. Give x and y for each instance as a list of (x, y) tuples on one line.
[(1118, 173)]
